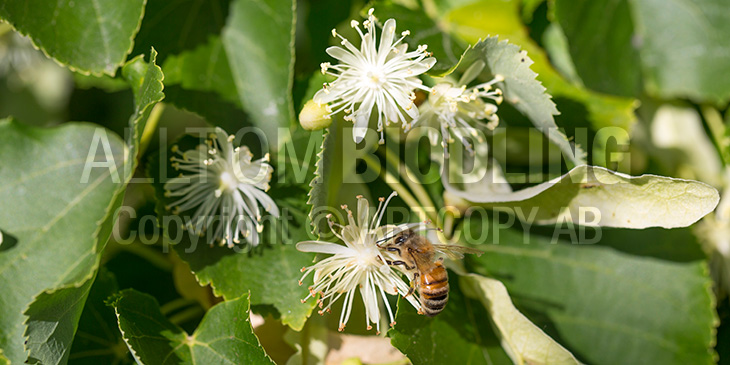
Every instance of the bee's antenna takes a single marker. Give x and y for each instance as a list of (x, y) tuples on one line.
[(433, 229), (426, 225), (384, 239)]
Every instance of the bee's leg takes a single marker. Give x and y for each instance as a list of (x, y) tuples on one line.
[(413, 285), (394, 249), (393, 263)]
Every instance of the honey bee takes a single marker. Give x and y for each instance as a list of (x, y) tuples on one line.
[(418, 255)]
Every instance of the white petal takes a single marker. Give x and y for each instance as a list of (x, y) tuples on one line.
[(363, 213), (322, 97), (342, 55), (323, 247), (370, 299), (386, 38)]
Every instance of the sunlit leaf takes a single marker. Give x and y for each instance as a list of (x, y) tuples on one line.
[(521, 339), (54, 316), (595, 196), (87, 36), (259, 41), (50, 331), (46, 189), (684, 52)]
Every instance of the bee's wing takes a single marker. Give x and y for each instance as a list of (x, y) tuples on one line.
[(455, 252)]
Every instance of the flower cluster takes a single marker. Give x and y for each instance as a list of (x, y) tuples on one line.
[(224, 186), (457, 110), (358, 263), (385, 76), (382, 76)]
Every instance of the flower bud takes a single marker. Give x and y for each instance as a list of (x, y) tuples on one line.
[(314, 117)]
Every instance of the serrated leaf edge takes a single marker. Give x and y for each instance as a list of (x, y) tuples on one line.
[(96, 250), (88, 72), (316, 180)]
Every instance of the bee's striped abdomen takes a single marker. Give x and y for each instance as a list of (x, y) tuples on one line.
[(434, 290)]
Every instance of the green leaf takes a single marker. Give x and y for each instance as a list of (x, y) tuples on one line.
[(524, 342), (595, 196), (684, 52), (208, 105), (53, 317), (224, 335), (145, 79), (600, 41), (98, 340), (46, 191), (606, 307), (270, 272), (520, 88), (50, 331), (200, 81), (87, 36), (204, 68), (175, 26), (556, 46), (259, 41), (461, 334)]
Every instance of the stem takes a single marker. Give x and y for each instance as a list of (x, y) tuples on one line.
[(417, 189), (448, 224), (187, 315), (176, 304), (146, 252), (150, 127), (399, 188), (305, 342), (717, 129)]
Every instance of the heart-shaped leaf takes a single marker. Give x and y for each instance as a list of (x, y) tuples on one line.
[(51, 202), (224, 335)]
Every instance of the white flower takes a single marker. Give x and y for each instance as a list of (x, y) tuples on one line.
[(383, 76), (357, 264), (225, 185), (457, 111)]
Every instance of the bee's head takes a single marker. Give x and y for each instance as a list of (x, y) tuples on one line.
[(402, 237), (398, 239)]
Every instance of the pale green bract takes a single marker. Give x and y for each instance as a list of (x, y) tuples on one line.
[(596, 196), (524, 342)]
